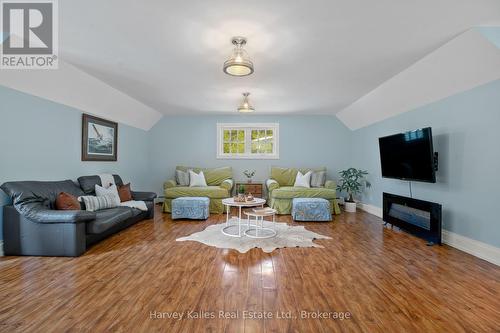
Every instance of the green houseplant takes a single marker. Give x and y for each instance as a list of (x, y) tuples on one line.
[(241, 193), (352, 181), (241, 189)]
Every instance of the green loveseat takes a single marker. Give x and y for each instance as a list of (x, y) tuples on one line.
[(280, 190), (220, 185)]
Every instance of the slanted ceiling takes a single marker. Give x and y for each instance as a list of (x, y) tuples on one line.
[(467, 61), (70, 86)]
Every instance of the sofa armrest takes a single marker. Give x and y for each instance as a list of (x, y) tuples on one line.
[(228, 185), (331, 184), (61, 216), (169, 183), (271, 185), (143, 196)]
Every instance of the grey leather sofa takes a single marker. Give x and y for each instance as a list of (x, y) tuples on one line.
[(32, 226)]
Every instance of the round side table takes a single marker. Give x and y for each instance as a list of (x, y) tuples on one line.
[(233, 224), (258, 230)]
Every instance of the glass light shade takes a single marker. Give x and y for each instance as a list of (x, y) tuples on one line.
[(245, 105), (239, 63)]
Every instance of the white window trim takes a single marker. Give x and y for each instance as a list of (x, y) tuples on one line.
[(249, 156)]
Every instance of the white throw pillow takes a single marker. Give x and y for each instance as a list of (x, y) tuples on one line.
[(93, 204), (197, 180), (303, 180), (111, 191)]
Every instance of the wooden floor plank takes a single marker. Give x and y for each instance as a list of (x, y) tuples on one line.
[(385, 279)]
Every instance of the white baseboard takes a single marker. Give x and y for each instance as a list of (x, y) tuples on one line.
[(477, 248), (1, 248), (374, 210)]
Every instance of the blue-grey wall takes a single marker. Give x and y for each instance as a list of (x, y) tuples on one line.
[(467, 137), (304, 141), (41, 140)]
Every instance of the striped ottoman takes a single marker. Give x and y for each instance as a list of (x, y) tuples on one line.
[(311, 209), (195, 208)]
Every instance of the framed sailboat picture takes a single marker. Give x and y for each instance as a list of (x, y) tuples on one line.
[(99, 139)]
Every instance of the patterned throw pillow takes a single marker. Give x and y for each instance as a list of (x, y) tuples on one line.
[(318, 179), (111, 191), (182, 178), (97, 203)]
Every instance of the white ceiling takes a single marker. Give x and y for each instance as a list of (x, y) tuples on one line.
[(311, 57)]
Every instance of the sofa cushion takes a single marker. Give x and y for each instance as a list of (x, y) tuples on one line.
[(286, 176), (214, 192), (290, 192), (213, 176), (88, 183), (43, 192), (108, 218)]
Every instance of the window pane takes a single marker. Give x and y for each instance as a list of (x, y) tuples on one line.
[(227, 135), (269, 134), (241, 136), (255, 135), (234, 135), (227, 148), (241, 148), (234, 147), (268, 148), (262, 134), (254, 148)]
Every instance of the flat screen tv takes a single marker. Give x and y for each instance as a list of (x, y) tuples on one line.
[(408, 156)]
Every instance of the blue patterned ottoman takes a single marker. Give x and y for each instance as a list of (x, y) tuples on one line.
[(195, 208), (311, 209)]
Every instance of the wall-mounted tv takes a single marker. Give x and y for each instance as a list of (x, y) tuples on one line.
[(408, 156)]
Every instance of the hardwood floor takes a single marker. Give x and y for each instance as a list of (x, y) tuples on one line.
[(387, 280)]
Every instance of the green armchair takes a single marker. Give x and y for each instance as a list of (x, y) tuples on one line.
[(281, 191), (220, 185)]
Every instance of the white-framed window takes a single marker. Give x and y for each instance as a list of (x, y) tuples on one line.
[(248, 141)]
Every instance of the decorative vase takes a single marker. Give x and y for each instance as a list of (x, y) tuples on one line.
[(350, 207)]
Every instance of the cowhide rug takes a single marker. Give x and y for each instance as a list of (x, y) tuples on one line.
[(287, 236)]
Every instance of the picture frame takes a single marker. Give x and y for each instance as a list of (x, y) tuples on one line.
[(99, 139)]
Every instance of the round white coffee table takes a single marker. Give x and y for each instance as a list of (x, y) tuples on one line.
[(233, 224)]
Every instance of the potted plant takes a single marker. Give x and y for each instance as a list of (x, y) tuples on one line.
[(352, 181), (249, 174), (241, 193)]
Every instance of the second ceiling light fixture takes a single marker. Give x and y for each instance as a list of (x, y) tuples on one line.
[(239, 64)]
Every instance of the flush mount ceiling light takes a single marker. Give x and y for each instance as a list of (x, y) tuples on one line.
[(238, 64), (245, 105)]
